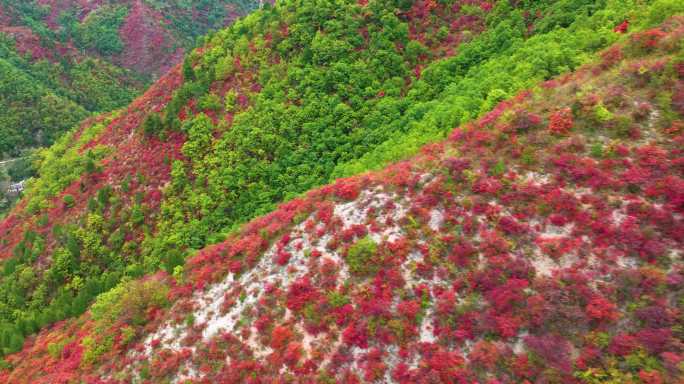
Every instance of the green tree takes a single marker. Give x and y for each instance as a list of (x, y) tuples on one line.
[(100, 30)]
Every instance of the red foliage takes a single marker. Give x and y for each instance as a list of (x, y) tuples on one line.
[(554, 349), (655, 316), (623, 344), (491, 117), (671, 361), (507, 326), (484, 354), (487, 185), (588, 357), (422, 8), (148, 44), (456, 166), (281, 336), (648, 40), (373, 365), (463, 254), (409, 309), (602, 310), (512, 227), (282, 257), (401, 373), (650, 377), (300, 293), (167, 362), (477, 270), (622, 27), (30, 44), (560, 122), (502, 298), (524, 121), (347, 189), (292, 354), (440, 363), (678, 98), (655, 340), (356, 334)]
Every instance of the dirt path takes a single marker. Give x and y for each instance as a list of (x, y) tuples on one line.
[(10, 161)]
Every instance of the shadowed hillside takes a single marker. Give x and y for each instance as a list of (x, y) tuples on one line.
[(60, 61)]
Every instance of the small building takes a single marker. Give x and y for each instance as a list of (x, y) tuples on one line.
[(16, 188)]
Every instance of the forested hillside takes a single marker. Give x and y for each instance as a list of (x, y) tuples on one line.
[(61, 61), (42, 100), (535, 233)]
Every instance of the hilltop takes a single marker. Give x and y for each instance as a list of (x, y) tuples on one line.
[(534, 233)]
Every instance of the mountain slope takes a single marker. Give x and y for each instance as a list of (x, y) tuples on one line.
[(540, 243), (40, 100), (216, 142), (62, 60), (146, 36), (277, 104)]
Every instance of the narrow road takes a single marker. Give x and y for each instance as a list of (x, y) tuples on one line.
[(10, 161)]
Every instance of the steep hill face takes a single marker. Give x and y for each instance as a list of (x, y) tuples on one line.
[(42, 100), (62, 60), (217, 140), (295, 95), (146, 36), (540, 243)]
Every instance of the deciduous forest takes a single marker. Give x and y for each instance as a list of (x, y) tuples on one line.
[(338, 191)]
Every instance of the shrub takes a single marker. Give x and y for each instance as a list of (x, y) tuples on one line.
[(55, 349), (210, 102), (127, 335), (678, 99), (300, 293), (650, 377), (69, 201), (553, 349), (337, 299), (622, 27), (524, 121), (280, 337), (360, 257), (356, 334), (560, 122), (129, 301), (602, 114), (648, 40), (94, 348), (622, 344), (601, 309), (152, 125), (611, 57)]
